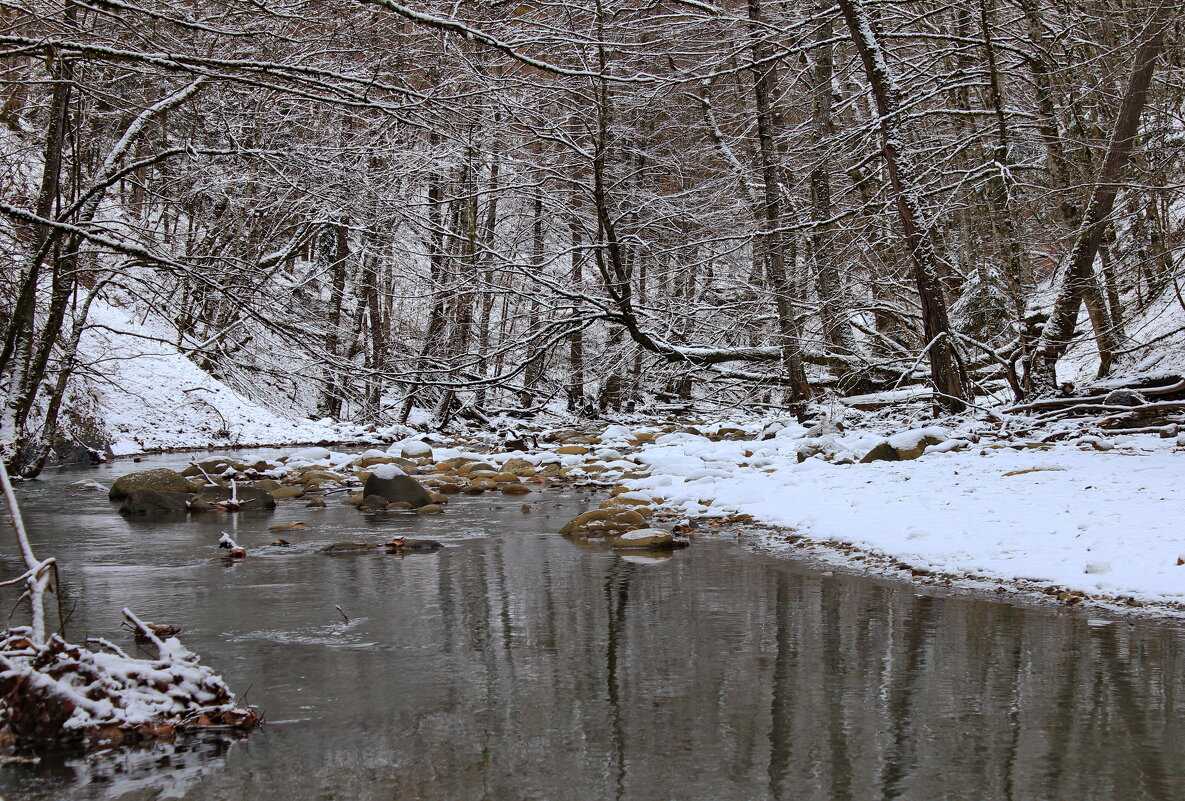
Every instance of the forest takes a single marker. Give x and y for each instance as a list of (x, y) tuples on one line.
[(357, 210)]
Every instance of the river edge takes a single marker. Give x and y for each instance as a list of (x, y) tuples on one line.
[(823, 554)]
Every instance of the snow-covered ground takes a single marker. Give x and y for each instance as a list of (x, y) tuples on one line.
[(148, 396), (1105, 522)]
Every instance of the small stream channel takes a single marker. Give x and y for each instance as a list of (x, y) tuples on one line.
[(516, 665)]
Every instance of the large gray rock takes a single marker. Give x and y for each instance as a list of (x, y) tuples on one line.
[(397, 488), (151, 501), (159, 479)]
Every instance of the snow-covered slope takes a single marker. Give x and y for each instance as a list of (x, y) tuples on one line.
[(147, 395)]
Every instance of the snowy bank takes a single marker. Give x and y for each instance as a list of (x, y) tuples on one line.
[(1107, 523), (147, 395)]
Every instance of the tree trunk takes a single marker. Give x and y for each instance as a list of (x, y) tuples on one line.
[(944, 372), (1078, 280)]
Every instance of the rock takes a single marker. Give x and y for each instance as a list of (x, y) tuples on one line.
[(294, 526), (320, 477), (315, 503), (249, 497), (347, 547), (602, 521), (1124, 397), (476, 467), (517, 463), (87, 485), (280, 493), (884, 452), (394, 507), (371, 461), (397, 488), (515, 489), (153, 501), (430, 509), (906, 445), (644, 538), (161, 479), (572, 450), (481, 484), (414, 449), (268, 484), (372, 502), (404, 545)]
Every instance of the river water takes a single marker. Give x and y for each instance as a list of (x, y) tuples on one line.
[(516, 665)]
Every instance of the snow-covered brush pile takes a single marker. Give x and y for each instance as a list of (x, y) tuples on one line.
[(61, 693), (54, 693)]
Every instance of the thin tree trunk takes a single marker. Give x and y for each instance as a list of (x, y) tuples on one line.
[(774, 241), (833, 306)]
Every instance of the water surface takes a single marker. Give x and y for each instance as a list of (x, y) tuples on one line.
[(516, 665)]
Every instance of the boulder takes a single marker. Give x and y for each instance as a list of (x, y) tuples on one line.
[(249, 497), (153, 501), (884, 452), (572, 450), (279, 493), (1124, 397), (430, 509), (267, 484), (415, 449), (603, 521), (161, 479), (644, 538), (905, 446), (515, 489), (397, 488)]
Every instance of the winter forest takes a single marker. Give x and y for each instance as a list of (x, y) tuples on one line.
[(355, 209), (876, 303)]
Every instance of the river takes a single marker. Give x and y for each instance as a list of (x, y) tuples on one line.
[(514, 664)]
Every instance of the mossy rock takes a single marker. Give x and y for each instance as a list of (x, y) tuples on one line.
[(161, 479), (603, 521)]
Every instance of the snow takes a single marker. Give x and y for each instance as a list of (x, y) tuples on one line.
[(1104, 522), (148, 395), (386, 472), (411, 448)]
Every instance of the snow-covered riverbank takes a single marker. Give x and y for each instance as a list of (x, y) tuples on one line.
[(1104, 522)]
